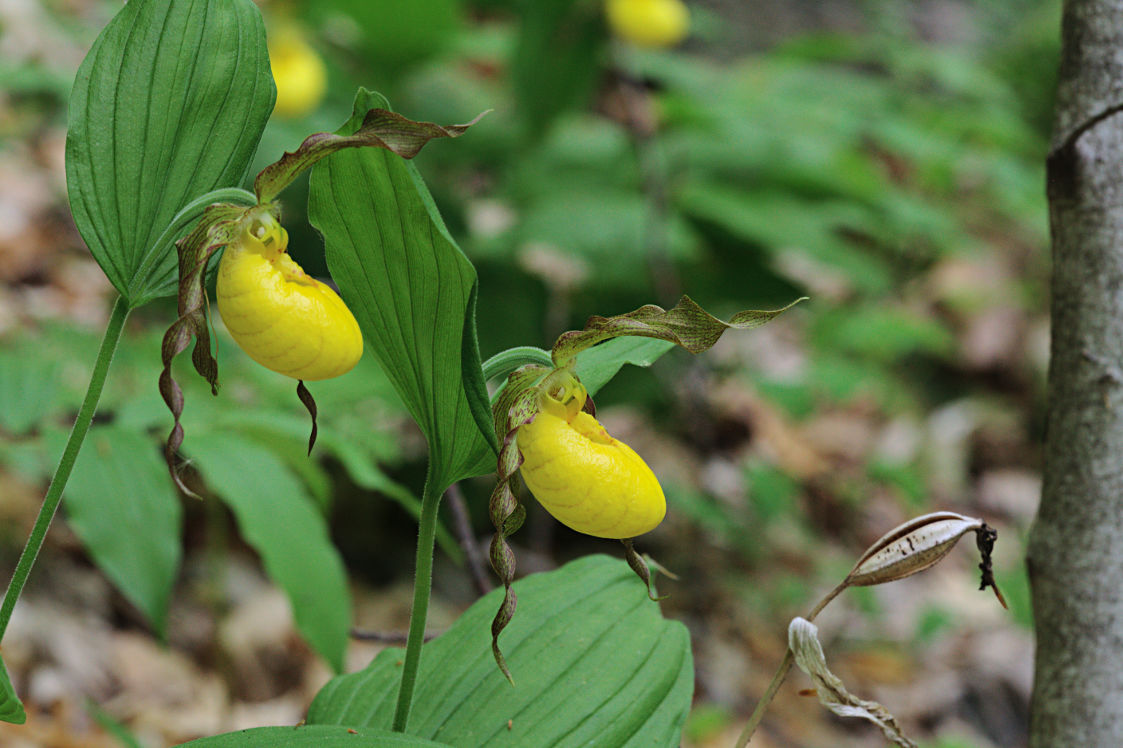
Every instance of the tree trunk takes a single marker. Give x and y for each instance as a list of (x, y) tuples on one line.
[(1075, 557)]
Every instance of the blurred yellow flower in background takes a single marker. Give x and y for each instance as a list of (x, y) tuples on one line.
[(649, 23), (298, 71)]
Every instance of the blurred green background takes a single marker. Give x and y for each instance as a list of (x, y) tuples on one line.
[(884, 159)]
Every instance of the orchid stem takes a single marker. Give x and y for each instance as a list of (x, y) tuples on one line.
[(781, 673), (81, 426), (422, 587), (766, 699)]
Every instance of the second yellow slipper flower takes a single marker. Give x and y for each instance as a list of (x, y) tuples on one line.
[(586, 479), (286, 320)]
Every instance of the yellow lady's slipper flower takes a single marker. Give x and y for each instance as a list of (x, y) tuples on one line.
[(649, 23), (282, 317), (298, 71), (586, 479)]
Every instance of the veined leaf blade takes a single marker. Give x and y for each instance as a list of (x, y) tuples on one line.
[(594, 662), (411, 289), (169, 104)]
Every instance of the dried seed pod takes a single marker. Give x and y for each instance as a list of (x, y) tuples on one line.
[(911, 547), (803, 642), (915, 546)]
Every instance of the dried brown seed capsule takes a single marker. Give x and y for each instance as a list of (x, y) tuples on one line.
[(911, 547)]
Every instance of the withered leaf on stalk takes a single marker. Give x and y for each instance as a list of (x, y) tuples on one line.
[(803, 639)]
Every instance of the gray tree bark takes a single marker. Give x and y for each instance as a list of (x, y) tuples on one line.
[(1075, 556)]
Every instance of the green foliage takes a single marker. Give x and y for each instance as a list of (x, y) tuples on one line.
[(707, 722), (907, 478), (394, 35), (951, 743), (772, 492), (29, 390), (597, 366), (278, 518), (313, 736), (843, 167), (933, 621), (881, 335), (587, 641), (162, 112), (840, 167), (11, 709), (556, 59), (722, 525), (413, 292), (112, 726), (127, 513), (124, 508), (1014, 583)]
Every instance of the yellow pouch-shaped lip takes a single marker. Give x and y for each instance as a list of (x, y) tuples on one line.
[(280, 316), (586, 479)]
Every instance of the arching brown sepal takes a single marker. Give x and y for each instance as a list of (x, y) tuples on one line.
[(686, 324)]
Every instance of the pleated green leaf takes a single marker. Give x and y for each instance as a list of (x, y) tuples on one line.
[(313, 736), (594, 663), (123, 506), (279, 519), (169, 104), (11, 710), (412, 291)]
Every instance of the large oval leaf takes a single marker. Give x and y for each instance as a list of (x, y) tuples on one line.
[(122, 505), (411, 289), (313, 736), (594, 663), (169, 104), (279, 519)]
